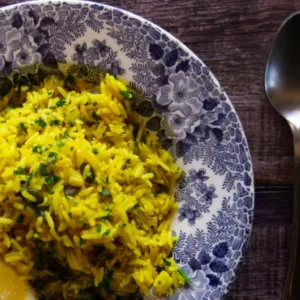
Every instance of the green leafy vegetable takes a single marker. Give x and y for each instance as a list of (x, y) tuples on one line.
[(95, 116), (20, 219), (95, 150), (22, 126), (61, 102), (54, 122), (166, 262), (37, 149), (126, 95), (60, 144), (52, 179), (43, 169), (98, 228), (186, 279), (20, 171), (106, 232), (41, 122)]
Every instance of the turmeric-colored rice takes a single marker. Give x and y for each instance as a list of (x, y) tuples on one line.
[(86, 199)]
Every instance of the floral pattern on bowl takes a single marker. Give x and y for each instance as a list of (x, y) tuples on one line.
[(183, 103)]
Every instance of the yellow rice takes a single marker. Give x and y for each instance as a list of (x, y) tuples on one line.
[(112, 231)]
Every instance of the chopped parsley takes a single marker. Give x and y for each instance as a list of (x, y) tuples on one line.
[(95, 150), (106, 192), (106, 282), (41, 122), (95, 116), (66, 134), (49, 93), (126, 95), (98, 228), (20, 219), (43, 169), (52, 192), (128, 161), (103, 180), (61, 102), (22, 126), (52, 107), (122, 226), (60, 143), (166, 262), (54, 122), (52, 158), (106, 232), (52, 179), (152, 172), (37, 149), (81, 242), (70, 214), (185, 277), (20, 171)]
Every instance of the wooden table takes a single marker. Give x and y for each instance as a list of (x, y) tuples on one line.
[(233, 37)]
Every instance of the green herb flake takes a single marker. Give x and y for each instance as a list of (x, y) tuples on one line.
[(41, 122), (128, 161), (151, 172), (72, 148), (106, 232), (70, 214), (54, 122), (52, 158), (49, 93), (20, 219), (52, 107), (22, 126), (95, 150), (103, 180), (106, 282), (95, 116), (106, 192), (81, 242), (28, 179), (60, 144), (66, 134), (61, 102), (185, 277), (166, 262), (37, 149), (52, 192), (122, 226), (98, 228), (126, 95), (43, 169), (52, 179), (20, 171)]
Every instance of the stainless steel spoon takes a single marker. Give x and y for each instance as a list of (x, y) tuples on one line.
[(282, 84)]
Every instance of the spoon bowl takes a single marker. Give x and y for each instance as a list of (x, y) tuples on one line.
[(282, 85)]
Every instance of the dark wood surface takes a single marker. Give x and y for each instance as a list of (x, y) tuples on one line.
[(234, 37)]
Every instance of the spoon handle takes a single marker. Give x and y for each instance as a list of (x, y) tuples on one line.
[(292, 288)]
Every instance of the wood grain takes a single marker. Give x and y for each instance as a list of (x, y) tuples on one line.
[(263, 272)]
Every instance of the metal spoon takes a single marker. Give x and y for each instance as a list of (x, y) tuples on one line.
[(282, 84)]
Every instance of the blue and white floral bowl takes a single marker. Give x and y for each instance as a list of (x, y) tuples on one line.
[(183, 103)]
